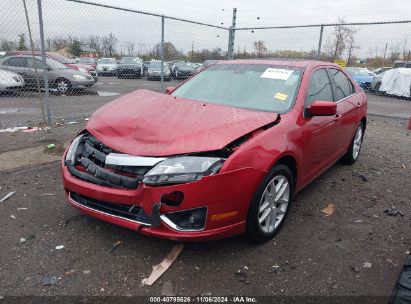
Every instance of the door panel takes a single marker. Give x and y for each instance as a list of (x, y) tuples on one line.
[(347, 108), (319, 132)]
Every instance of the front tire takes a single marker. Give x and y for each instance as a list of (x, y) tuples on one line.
[(353, 151), (63, 85), (270, 204)]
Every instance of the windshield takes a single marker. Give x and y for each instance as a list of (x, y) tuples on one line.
[(55, 65), (182, 64), (60, 58), (209, 62), (156, 65), (359, 72), (108, 61), (86, 60), (251, 86), (130, 60)]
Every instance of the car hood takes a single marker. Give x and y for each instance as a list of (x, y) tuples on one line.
[(72, 66), (107, 65), (186, 69), (127, 65), (88, 67), (363, 78), (147, 123)]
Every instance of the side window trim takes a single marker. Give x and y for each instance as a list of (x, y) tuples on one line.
[(333, 85)]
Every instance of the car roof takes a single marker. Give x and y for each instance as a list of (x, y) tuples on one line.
[(25, 56), (280, 62)]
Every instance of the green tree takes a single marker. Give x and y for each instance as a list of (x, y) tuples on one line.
[(22, 43), (75, 48)]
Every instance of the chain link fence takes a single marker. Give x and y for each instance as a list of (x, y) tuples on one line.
[(95, 53)]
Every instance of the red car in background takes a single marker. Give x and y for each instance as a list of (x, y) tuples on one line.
[(89, 69), (220, 155)]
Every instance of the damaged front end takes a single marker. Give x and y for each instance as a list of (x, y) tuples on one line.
[(183, 197)]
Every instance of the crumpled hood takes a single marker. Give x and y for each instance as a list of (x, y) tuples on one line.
[(147, 123)]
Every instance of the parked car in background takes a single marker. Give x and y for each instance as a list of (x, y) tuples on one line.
[(208, 63), (71, 64), (362, 76), (154, 71), (397, 82), (130, 67), (220, 155), (181, 69), (10, 82), (196, 66), (381, 70), (88, 61), (145, 66), (60, 77), (402, 64), (107, 66), (376, 82)]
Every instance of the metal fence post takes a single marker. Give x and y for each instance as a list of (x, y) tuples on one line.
[(162, 54), (320, 42), (231, 36), (45, 72), (229, 44)]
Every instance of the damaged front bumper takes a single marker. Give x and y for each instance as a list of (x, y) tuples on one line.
[(226, 197)]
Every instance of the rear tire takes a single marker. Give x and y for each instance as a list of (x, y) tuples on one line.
[(353, 151), (270, 205)]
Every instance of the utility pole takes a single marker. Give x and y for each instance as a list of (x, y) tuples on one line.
[(192, 50), (231, 35)]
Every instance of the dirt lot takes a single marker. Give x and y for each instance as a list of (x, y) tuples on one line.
[(312, 255)]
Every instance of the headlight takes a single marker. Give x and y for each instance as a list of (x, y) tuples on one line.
[(83, 70), (71, 153), (182, 169), (79, 77)]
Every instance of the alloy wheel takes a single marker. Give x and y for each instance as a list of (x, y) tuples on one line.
[(357, 143), (62, 86), (274, 203)]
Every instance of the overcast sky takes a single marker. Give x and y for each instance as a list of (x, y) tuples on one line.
[(63, 18)]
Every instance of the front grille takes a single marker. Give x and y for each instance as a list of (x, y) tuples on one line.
[(89, 164), (16, 88), (130, 212)]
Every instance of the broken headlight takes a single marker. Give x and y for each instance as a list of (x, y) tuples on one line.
[(182, 169), (73, 148)]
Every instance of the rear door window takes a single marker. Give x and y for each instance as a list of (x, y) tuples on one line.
[(319, 88)]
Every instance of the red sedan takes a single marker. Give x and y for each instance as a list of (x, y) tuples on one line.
[(220, 155)]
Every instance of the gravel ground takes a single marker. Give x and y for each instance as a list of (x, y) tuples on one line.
[(312, 255)]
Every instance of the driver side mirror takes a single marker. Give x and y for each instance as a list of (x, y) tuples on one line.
[(322, 108), (170, 90)]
